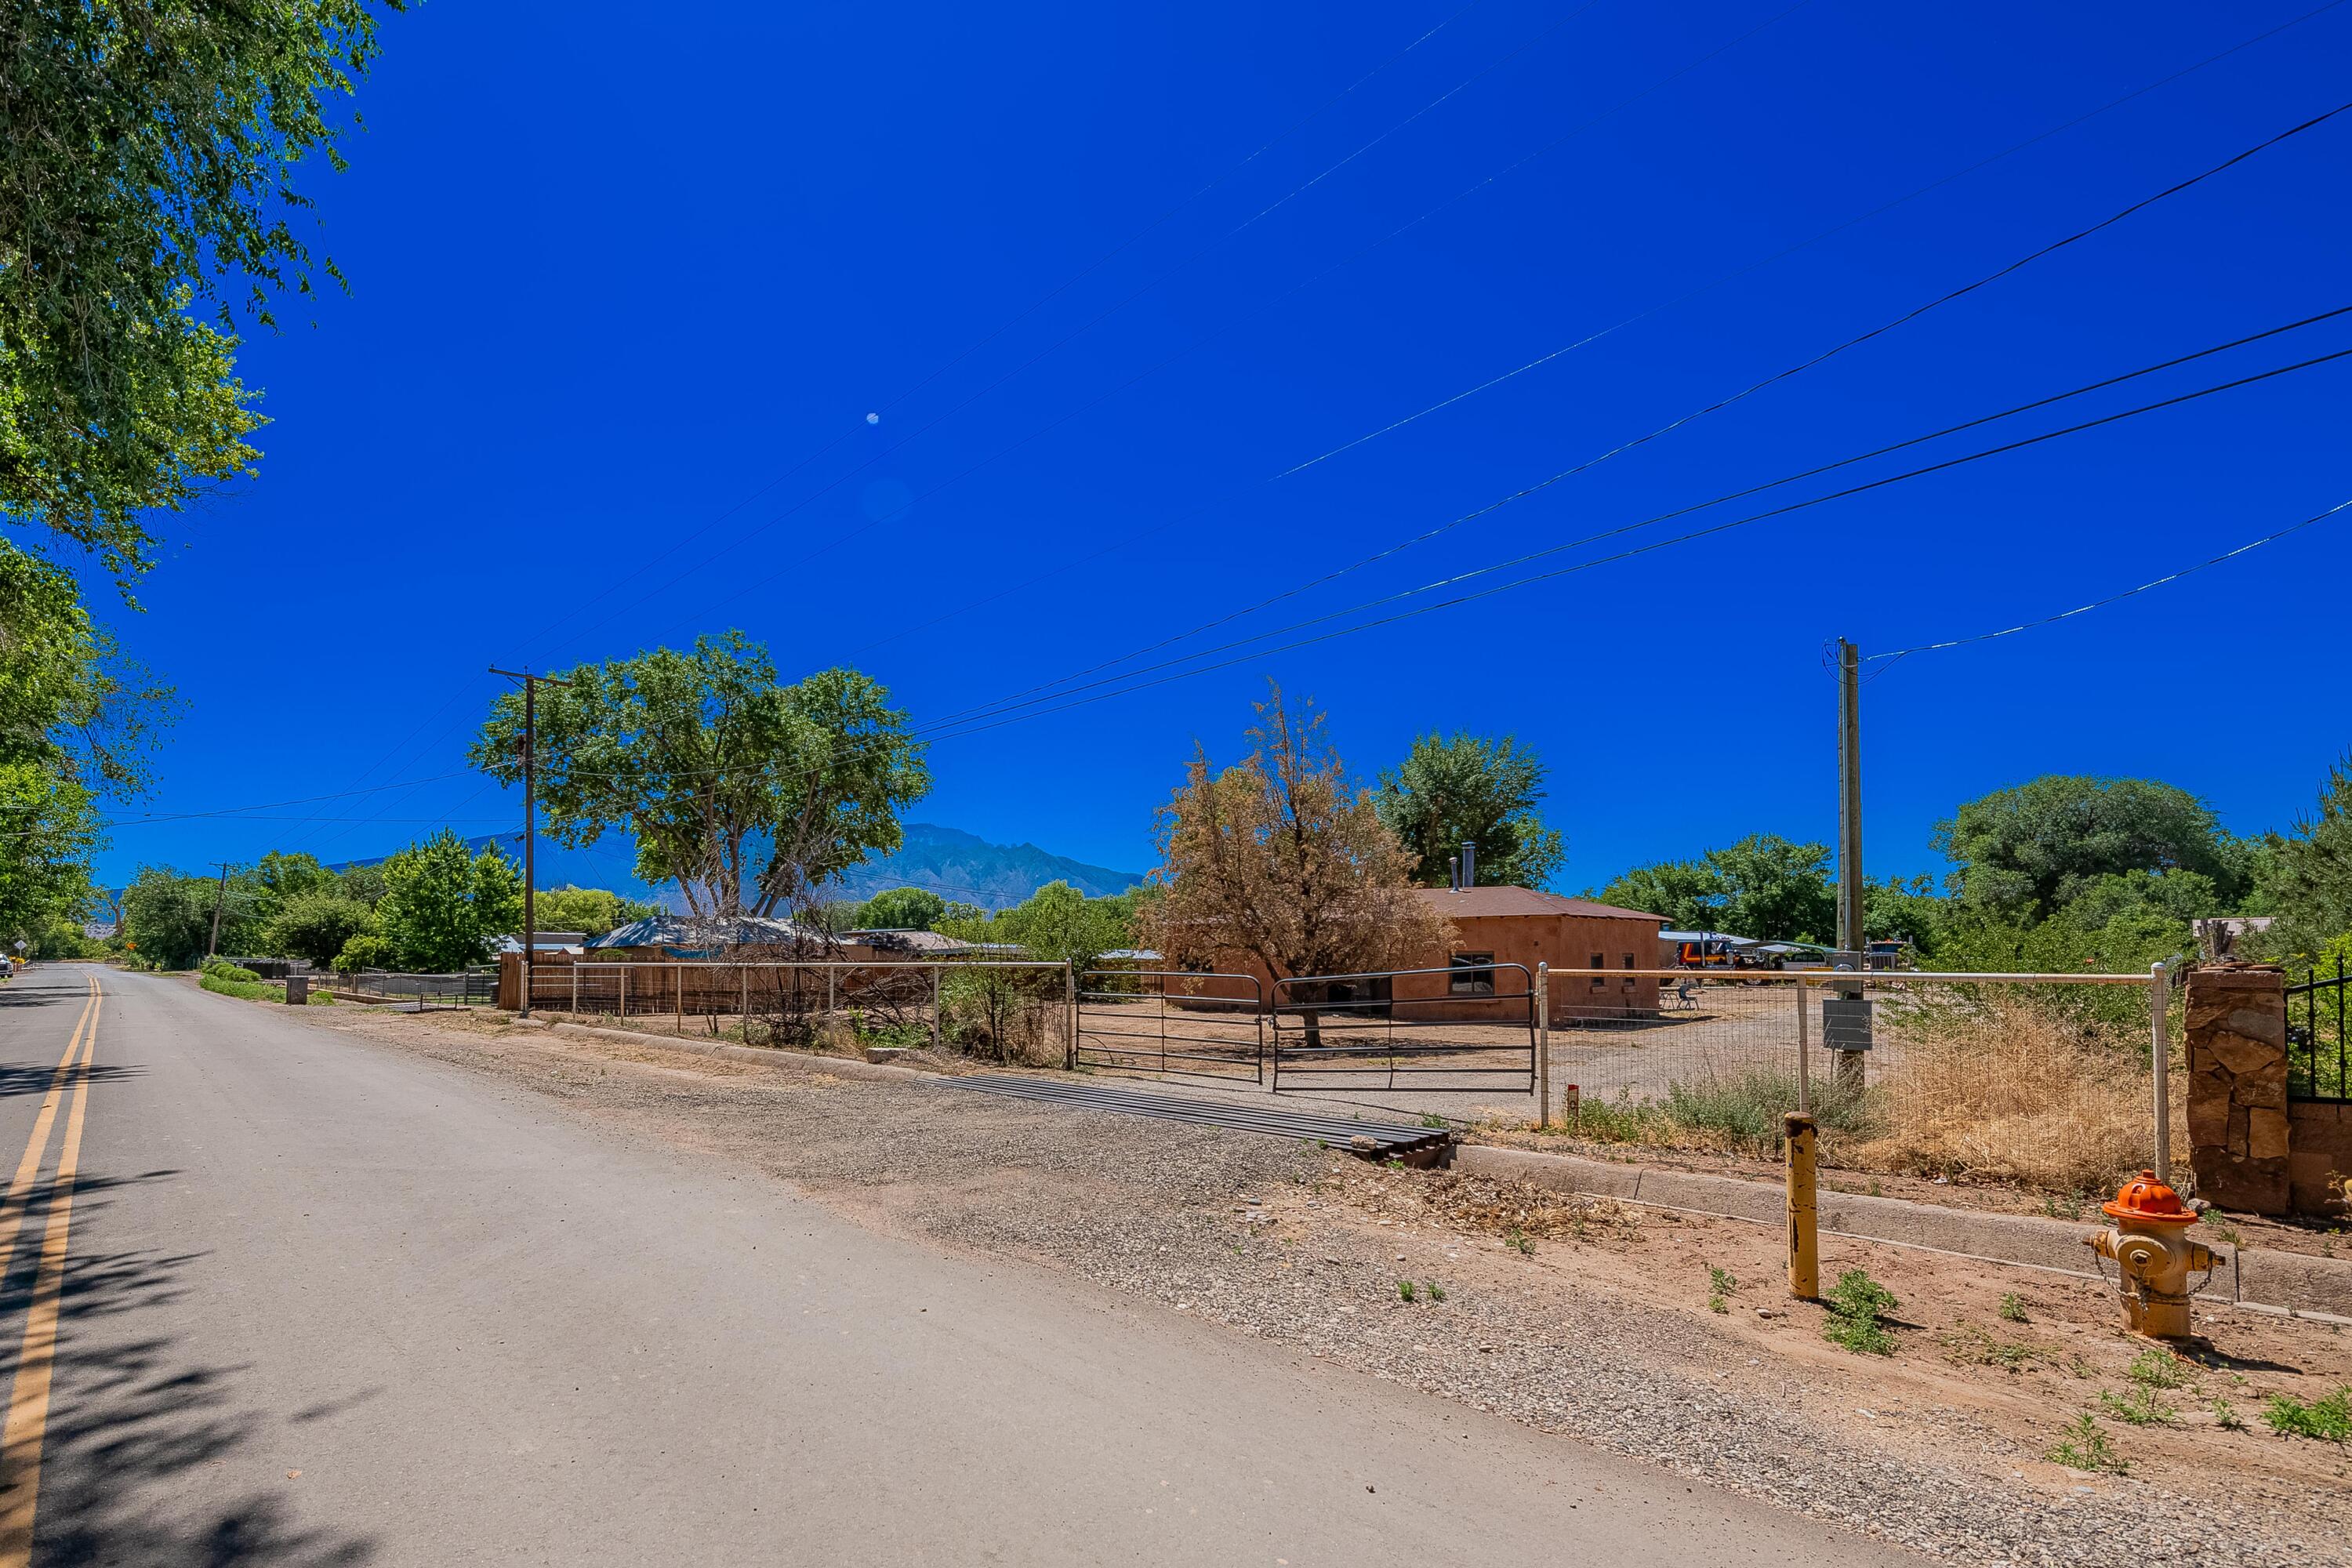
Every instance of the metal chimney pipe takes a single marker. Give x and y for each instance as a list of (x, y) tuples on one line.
[(1469, 864), (1454, 873)]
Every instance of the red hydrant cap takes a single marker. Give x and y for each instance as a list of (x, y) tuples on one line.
[(2146, 1199)]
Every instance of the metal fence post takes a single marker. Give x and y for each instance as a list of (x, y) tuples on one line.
[(681, 998), (1070, 1041), (1804, 1052), (621, 1002), (828, 991), (937, 1033), (2160, 1030), (1543, 1045)]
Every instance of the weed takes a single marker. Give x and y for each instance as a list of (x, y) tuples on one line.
[(1721, 1280), (2140, 1407), (2156, 1368), (1855, 1303), (1969, 1346), (1716, 1304), (2227, 1233), (2084, 1446), (1433, 1119), (2056, 1207), (1404, 1289), (1393, 1163), (1877, 1189), (1520, 1239), (2329, 1420), (2012, 1309), (2226, 1416), (1436, 1291), (2079, 1367)]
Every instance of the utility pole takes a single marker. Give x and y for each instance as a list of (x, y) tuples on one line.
[(1850, 937), (220, 895), (529, 826), (1851, 1028)]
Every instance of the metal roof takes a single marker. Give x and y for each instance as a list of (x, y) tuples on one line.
[(1481, 903), (666, 930)]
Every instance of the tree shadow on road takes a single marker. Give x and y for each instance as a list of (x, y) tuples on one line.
[(143, 1438)]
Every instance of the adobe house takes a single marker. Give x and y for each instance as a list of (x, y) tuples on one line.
[(1494, 927), (1518, 925)]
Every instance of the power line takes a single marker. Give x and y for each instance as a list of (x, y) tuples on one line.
[(1622, 555), (1130, 540), (2168, 577), (1546, 483), (1023, 706)]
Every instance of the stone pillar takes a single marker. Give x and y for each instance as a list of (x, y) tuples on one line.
[(2237, 1086)]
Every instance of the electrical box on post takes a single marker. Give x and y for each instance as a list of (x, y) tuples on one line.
[(1845, 1022)]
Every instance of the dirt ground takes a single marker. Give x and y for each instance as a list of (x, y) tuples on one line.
[(1588, 1318)]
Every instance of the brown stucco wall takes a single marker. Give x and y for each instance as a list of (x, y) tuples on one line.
[(1564, 942), (2319, 1156)]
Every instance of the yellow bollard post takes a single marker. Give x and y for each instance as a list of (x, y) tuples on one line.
[(1804, 1242)]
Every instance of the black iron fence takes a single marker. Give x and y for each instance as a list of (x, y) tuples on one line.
[(471, 988), (2316, 1048)]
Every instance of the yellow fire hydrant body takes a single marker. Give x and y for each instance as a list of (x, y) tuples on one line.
[(2153, 1256)]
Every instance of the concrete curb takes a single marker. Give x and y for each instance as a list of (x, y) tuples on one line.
[(841, 1066), (2283, 1282)]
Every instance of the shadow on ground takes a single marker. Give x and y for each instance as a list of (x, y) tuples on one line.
[(134, 1421)]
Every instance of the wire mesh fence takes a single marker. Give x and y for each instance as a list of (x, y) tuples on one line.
[(1457, 1030), (2049, 1080), (1005, 1010)]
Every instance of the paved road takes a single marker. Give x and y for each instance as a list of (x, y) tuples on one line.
[(323, 1302)]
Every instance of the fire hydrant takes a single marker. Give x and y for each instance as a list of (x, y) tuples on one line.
[(2153, 1256)]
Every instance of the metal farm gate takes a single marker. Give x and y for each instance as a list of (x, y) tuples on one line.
[(1457, 1030), (1171, 1024)]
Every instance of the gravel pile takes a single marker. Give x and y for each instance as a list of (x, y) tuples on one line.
[(1264, 1235)]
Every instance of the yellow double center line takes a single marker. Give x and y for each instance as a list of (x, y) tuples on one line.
[(29, 1403)]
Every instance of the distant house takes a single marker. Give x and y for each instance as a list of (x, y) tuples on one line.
[(666, 935), (915, 946), (545, 941)]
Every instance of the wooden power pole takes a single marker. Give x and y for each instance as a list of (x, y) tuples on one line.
[(529, 826), (220, 896), (1850, 937)]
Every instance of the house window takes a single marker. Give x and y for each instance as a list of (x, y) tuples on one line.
[(1473, 974), (1629, 979)]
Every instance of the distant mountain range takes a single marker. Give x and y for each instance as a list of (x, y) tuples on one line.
[(960, 866), (967, 869)]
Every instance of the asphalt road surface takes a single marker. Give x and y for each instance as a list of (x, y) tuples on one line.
[(317, 1301)]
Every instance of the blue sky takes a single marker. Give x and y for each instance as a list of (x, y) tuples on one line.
[(624, 293)]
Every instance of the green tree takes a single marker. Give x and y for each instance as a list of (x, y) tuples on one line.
[(748, 794), (167, 918), (1060, 924), (595, 911), (1458, 787), (442, 908), (76, 723), (2308, 885), (1763, 886), (2023, 853), (901, 909), (316, 925), (149, 165)]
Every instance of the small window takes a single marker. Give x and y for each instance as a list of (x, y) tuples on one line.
[(1629, 979), (1473, 974), (1599, 962)]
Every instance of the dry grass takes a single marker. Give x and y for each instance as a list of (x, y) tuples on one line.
[(2002, 1091), (1486, 1206)]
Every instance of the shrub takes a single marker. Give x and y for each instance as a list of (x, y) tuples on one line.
[(2328, 1419), (366, 952), (2084, 1446), (222, 969), (1855, 1303)]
